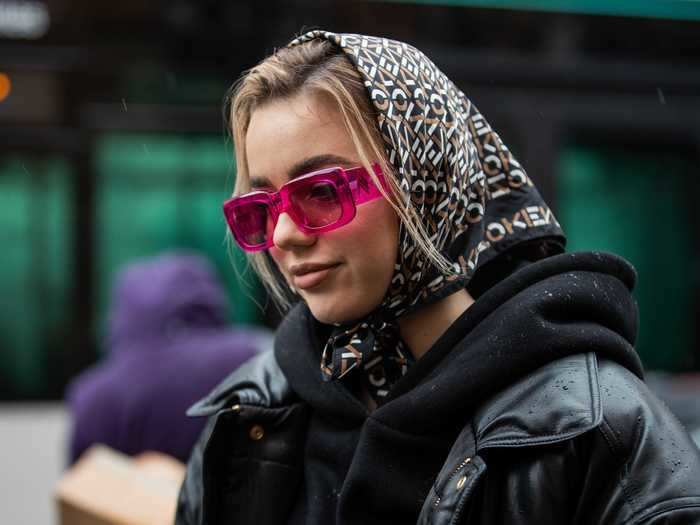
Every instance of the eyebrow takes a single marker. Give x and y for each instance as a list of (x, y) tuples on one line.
[(303, 167)]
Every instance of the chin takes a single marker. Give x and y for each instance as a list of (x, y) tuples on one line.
[(324, 316), (337, 313)]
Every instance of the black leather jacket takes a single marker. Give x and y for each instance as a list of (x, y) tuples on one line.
[(579, 441)]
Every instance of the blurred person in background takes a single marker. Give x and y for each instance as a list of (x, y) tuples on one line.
[(168, 344), (445, 361)]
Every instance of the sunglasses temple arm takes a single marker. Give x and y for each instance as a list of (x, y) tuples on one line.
[(363, 188)]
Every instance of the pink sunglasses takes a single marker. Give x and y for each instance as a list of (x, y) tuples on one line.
[(317, 202)]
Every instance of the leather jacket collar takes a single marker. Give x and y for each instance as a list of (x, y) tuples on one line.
[(541, 408), (258, 382)]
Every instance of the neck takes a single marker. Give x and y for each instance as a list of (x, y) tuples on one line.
[(420, 330)]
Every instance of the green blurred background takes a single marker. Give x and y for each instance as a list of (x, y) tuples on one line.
[(153, 193)]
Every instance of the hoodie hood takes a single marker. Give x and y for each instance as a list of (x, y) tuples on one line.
[(163, 299), (563, 305)]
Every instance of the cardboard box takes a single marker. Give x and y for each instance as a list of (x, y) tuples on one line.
[(106, 487)]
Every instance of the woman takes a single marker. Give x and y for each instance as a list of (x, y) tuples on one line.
[(370, 188)]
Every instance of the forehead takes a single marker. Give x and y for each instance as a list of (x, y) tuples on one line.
[(285, 133)]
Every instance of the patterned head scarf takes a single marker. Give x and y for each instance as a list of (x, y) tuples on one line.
[(474, 198)]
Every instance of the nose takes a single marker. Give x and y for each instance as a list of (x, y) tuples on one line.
[(288, 236)]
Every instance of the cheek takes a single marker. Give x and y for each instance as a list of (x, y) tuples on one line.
[(275, 254), (377, 246), (277, 257)]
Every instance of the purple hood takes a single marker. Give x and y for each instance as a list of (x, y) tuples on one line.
[(168, 344), (162, 300)]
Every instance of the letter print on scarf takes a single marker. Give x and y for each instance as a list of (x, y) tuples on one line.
[(473, 197)]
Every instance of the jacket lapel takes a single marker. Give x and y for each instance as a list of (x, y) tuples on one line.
[(555, 403)]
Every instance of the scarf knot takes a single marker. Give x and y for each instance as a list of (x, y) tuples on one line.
[(374, 346)]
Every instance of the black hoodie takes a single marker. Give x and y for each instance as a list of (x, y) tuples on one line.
[(381, 464)]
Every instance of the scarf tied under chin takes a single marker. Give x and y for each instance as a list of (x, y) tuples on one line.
[(372, 345)]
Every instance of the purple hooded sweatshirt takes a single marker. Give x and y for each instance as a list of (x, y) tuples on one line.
[(168, 345)]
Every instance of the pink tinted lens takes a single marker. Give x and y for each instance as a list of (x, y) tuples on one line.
[(316, 203), (252, 222)]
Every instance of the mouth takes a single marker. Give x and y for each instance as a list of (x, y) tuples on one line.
[(308, 275)]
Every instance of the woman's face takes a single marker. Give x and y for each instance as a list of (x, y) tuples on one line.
[(343, 274)]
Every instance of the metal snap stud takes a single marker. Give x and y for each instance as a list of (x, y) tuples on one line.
[(236, 408), (256, 432)]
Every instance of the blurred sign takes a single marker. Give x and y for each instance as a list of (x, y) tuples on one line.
[(29, 97), (674, 9), (26, 20), (5, 86)]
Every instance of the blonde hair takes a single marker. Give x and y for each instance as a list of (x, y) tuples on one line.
[(320, 68)]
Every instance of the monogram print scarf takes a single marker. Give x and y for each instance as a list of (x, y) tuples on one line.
[(474, 198)]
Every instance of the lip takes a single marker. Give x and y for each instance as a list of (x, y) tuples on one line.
[(308, 275)]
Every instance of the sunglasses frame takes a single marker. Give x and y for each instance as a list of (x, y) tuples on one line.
[(353, 186)]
